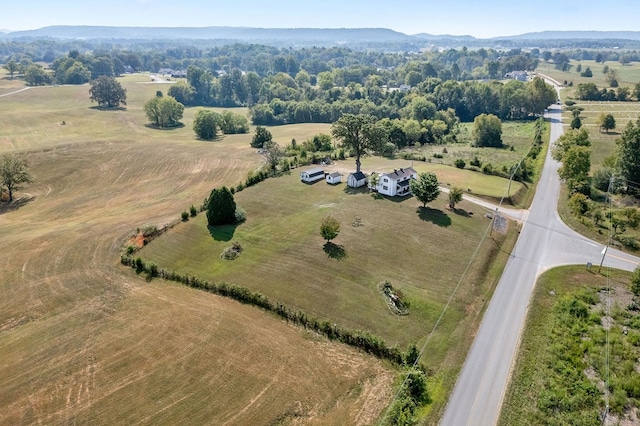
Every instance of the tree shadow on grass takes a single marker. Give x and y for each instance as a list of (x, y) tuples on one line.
[(153, 126), (335, 251), (435, 216), (103, 108), (222, 232), (462, 212), (352, 191), (6, 207)]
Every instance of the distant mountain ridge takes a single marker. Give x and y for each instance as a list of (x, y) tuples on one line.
[(575, 35), (292, 35), (229, 33)]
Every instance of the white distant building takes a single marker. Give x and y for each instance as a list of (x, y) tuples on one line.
[(396, 182), (517, 75)]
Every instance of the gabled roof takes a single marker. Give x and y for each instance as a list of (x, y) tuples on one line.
[(335, 174), (399, 174), (358, 175)]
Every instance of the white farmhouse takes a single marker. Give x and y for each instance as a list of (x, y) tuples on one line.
[(312, 175), (396, 182)]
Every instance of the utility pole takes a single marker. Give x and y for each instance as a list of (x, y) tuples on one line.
[(604, 252)]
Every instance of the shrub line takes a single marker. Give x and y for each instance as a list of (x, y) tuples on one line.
[(360, 339)]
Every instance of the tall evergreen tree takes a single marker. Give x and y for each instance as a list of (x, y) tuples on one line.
[(221, 207)]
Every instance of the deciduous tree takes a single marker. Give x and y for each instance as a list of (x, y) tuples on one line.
[(35, 75), (487, 130), (13, 173), (107, 92), (11, 67), (425, 188), (273, 154), (261, 137), (606, 122), (206, 124), (629, 153), (358, 133), (329, 228), (455, 196), (164, 111)]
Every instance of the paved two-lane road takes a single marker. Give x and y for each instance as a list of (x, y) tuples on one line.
[(544, 242)]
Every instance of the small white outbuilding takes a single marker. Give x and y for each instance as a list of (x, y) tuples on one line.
[(334, 178), (312, 175), (356, 180)]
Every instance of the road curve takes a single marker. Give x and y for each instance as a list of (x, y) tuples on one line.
[(545, 241)]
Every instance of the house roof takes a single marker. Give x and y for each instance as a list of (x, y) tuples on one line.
[(335, 174), (399, 174), (358, 175)]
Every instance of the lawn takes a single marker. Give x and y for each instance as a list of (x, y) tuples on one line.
[(560, 374), (422, 252), (628, 75), (517, 138)]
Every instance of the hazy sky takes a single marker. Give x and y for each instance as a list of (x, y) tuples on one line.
[(479, 18)]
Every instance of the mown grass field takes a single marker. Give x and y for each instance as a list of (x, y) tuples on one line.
[(627, 74), (560, 374), (86, 341), (422, 252)]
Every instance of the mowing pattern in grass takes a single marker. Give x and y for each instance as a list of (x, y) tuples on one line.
[(85, 341), (560, 374), (422, 251)]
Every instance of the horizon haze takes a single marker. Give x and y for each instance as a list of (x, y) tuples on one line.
[(494, 18)]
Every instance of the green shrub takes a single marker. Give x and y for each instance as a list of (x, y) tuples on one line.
[(629, 242), (579, 204), (476, 162), (185, 216), (240, 215), (152, 269), (193, 211), (460, 163)]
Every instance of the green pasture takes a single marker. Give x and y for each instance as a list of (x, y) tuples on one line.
[(628, 75)]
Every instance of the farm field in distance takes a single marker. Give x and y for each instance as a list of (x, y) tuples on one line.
[(603, 144), (84, 340)]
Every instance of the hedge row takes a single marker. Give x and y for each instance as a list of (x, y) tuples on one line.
[(357, 338)]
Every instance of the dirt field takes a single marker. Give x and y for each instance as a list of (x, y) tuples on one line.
[(85, 341)]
